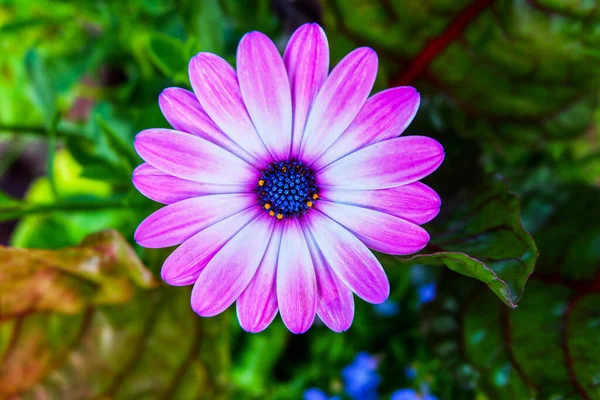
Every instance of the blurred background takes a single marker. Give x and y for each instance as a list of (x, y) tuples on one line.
[(509, 87)]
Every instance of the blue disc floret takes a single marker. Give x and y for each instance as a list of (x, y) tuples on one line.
[(287, 189)]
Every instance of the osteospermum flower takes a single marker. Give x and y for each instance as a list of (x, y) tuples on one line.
[(279, 176)]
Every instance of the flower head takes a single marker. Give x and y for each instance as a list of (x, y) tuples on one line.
[(361, 378), (279, 176)]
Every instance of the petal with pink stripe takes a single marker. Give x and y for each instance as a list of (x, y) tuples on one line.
[(386, 164), (216, 86), (335, 306), (340, 99), (415, 202), (184, 265), (257, 306), (183, 111), (230, 271), (352, 262), (384, 116), (177, 222), (379, 231), (192, 158), (296, 280), (167, 189), (266, 92), (306, 59)]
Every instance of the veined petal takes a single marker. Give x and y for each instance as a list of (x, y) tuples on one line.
[(266, 92), (306, 59), (350, 259), (335, 305), (184, 265), (192, 158), (384, 116), (231, 269), (216, 85), (257, 306), (177, 222), (183, 111), (415, 202), (386, 164), (382, 232), (167, 189), (296, 281), (340, 99)]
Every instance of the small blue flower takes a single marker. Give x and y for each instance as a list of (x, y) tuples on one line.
[(410, 394), (410, 373), (361, 378), (427, 293), (315, 394), (388, 308)]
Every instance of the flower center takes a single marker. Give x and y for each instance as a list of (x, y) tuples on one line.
[(287, 189)]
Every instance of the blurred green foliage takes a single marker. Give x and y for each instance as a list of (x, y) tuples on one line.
[(509, 87)]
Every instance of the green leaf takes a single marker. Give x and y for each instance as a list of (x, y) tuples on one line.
[(204, 22), (486, 241), (548, 347), (44, 89), (168, 54), (518, 71)]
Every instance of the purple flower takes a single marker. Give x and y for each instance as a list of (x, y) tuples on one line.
[(279, 176), (410, 394), (361, 378)]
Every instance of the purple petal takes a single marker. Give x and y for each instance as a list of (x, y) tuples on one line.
[(192, 158), (306, 59), (184, 265), (382, 232), (167, 189), (216, 86), (296, 281), (350, 259), (257, 306), (340, 99), (415, 202), (183, 111), (384, 116), (231, 269), (177, 222), (335, 305), (266, 92), (387, 164)]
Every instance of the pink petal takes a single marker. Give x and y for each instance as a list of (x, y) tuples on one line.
[(184, 265), (382, 232), (384, 116), (216, 86), (306, 59), (415, 202), (183, 111), (177, 222), (340, 99), (167, 189), (350, 259), (386, 164), (231, 269), (266, 92), (257, 306), (192, 158), (335, 306), (296, 281)]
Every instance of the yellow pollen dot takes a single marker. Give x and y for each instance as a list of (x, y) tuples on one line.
[(267, 206), (309, 203), (284, 169), (315, 196), (279, 216), (271, 213), (261, 182)]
